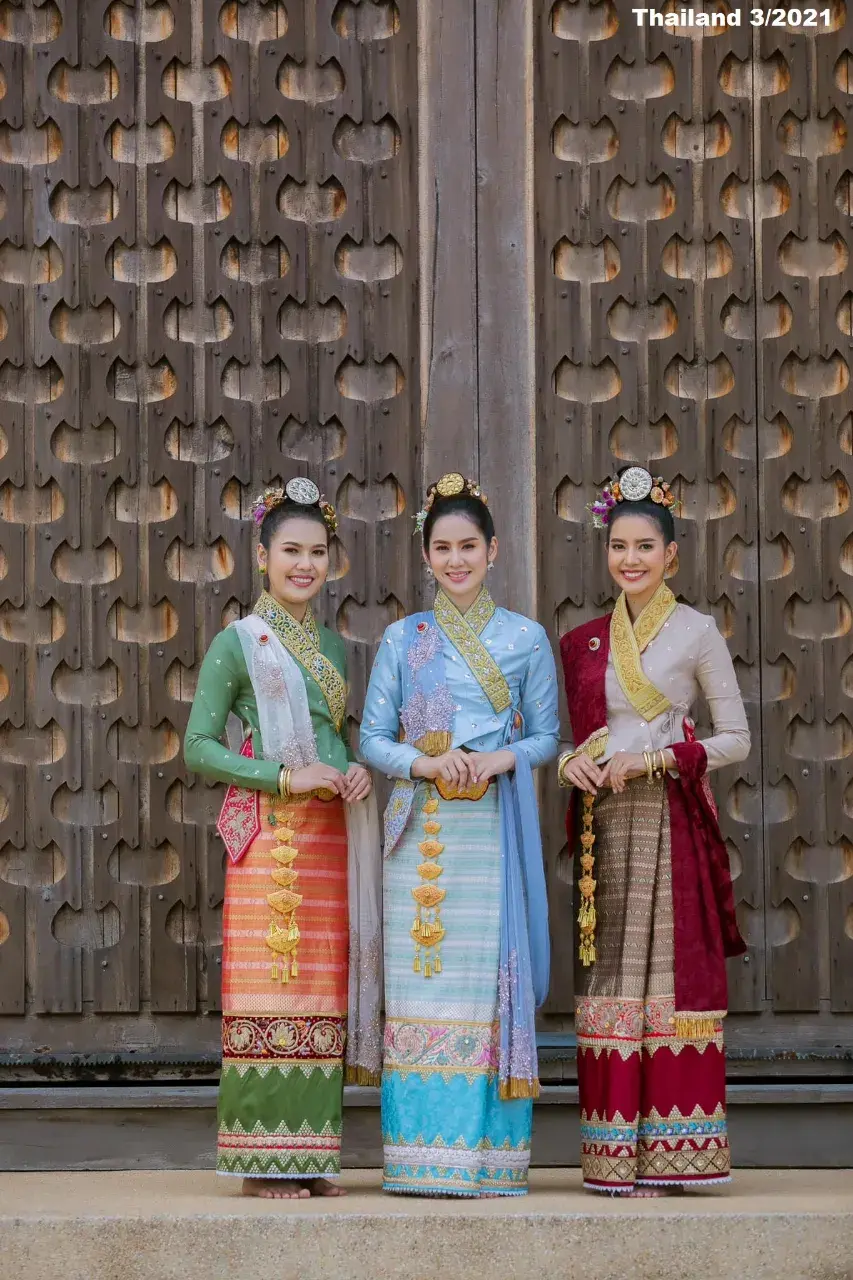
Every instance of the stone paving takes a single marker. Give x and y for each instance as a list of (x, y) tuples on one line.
[(195, 1226)]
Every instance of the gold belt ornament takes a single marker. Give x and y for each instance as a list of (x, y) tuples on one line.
[(435, 742), (321, 793), (450, 791), (427, 930)]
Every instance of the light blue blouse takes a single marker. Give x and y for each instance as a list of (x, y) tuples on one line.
[(520, 648)]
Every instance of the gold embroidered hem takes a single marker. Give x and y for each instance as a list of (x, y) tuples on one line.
[(463, 630), (620, 1025), (628, 641), (594, 746), (303, 644)]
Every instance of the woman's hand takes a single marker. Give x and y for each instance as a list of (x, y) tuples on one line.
[(357, 784), (488, 764), (453, 767), (583, 772), (621, 767), (317, 777)]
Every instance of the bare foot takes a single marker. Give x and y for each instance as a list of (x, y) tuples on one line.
[(274, 1189), (322, 1187)]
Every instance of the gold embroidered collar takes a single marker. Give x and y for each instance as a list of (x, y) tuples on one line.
[(629, 640), (302, 642), (463, 630)]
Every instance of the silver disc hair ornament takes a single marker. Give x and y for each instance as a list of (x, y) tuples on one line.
[(635, 484), (303, 491)]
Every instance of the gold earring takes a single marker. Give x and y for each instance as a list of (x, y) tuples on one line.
[(262, 568)]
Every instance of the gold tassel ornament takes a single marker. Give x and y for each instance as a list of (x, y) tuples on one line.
[(427, 930), (283, 936), (586, 886)]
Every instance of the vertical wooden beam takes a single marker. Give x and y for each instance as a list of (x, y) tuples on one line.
[(505, 293), (448, 257)]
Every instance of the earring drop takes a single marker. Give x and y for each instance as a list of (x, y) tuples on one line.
[(429, 572), (262, 569), (491, 565)]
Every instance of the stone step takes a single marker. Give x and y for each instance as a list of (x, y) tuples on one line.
[(779, 1125), (195, 1226)]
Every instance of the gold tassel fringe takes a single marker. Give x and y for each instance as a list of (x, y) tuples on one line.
[(697, 1026), (515, 1087), (361, 1075)]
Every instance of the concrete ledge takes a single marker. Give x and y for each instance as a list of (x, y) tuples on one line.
[(169, 1226), (174, 1127)]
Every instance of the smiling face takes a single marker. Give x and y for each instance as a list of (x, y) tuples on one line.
[(459, 557), (297, 561), (638, 557)]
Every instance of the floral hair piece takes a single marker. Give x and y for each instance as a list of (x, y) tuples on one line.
[(300, 490), (634, 485), (452, 485)]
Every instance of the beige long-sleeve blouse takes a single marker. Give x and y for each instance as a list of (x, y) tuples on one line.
[(686, 657)]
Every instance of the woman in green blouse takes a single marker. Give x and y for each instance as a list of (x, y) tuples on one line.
[(301, 920)]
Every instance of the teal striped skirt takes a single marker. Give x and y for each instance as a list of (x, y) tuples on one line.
[(445, 1129)]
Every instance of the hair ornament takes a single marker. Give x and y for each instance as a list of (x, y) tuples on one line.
[(303, 491), (300, 490), (634, 485), (451, 485)]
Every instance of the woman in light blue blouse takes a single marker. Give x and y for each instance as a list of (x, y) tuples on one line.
[(462, 705)]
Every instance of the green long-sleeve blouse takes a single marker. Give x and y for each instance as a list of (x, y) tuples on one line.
[(224, 686)]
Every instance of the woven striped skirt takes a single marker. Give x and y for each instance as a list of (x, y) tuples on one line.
[(445, 1129), (653, 1105), (284, 995)]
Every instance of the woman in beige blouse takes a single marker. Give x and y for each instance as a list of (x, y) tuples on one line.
[(656, 919)]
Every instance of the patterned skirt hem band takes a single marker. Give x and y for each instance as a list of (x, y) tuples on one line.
[(432, 1194), (268, 1177), (688, 1181)]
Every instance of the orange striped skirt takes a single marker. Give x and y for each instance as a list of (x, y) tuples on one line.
[(284, 995)]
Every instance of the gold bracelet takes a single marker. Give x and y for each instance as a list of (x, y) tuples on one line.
[(647, 761), (564, 760), (664, 766), (284, 782)]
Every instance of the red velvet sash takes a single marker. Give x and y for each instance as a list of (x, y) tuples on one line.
[(240, 815), (705, 925)]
